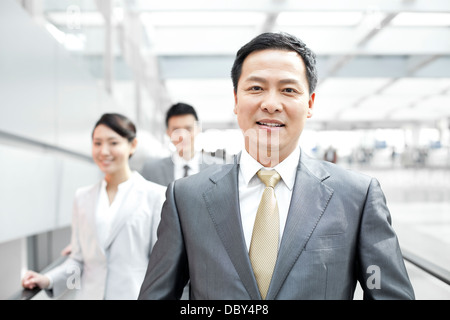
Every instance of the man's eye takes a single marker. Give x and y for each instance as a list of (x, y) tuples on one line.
[(289, 90), (255, 88)]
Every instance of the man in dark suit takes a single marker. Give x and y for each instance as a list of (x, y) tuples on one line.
[(319, 228), (182, 129)]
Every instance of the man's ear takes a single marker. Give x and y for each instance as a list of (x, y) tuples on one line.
[(235, 102), (311, 105)]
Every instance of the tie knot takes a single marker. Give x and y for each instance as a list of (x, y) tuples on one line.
[(269, 177)]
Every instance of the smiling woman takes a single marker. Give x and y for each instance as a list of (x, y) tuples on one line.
[(114, 223), (113, 143)]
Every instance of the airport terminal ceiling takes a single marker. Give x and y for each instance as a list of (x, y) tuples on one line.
[(382, 64)]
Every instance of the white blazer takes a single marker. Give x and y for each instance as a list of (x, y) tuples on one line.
[(116, 270)]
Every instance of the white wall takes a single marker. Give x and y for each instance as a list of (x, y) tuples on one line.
[(49, 103), (48, 98)]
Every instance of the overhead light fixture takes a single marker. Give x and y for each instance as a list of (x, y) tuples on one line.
[(72, 42), (414, 19), (84, 19)]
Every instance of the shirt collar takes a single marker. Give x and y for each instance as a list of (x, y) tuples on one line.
[(287, 168), (181, 161), (124, 185)]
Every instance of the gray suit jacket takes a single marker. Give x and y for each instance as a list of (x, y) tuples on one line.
[(161, 170), (338, 231)]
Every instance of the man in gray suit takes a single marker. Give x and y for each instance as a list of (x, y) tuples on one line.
[(333, 227), (182, 129)]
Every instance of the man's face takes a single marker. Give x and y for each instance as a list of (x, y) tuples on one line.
[(272, 103), (182, 130)]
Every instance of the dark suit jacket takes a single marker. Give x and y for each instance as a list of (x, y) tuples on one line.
[(161, 170), (338, 231)]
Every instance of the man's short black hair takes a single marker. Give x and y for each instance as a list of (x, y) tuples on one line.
[(279, 41), (180, 109)]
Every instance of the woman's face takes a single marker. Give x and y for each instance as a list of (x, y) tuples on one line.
[(110, 150)]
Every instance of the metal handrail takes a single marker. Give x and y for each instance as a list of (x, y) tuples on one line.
[(427, 266), (27, 294), (46, 146)]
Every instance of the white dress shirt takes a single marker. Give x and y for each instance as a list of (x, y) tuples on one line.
[(179, 163), (251, 189), (106, 212)]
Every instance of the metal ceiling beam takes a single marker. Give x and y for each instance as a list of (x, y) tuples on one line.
[(367, 33), (384, 39), (270, 6), (271, 18), (417, 103), (269, 22), (106, 9), (145, 70), (219, 66), (412, 66), (373, 30), (373, 54), (34, 8)]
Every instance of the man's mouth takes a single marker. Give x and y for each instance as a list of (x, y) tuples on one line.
[(270, 124)]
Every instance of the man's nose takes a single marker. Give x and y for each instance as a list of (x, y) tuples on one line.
[(271, 102)]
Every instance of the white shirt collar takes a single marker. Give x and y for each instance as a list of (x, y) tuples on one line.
[(124, 185), (193, 162), (287, 168)]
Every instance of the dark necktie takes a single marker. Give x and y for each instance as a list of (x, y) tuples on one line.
[(186, 170)]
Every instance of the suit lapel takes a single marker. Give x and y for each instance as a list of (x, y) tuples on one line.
[(168, 170), (309, 200), (90, 203), (225, 214)]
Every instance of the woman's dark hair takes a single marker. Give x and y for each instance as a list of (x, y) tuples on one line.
[(280, 41), (119, 124)]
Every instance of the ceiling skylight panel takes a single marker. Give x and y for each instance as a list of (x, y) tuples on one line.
[(167, 19), (342, 19)]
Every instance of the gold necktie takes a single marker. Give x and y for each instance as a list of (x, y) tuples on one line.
[(264, 245)]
